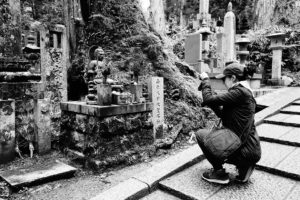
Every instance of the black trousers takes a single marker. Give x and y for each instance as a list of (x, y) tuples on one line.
[(236, 158)]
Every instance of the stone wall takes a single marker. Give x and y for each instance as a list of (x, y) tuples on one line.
[(109, 140)]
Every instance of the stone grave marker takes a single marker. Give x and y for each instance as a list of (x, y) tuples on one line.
[(156, 94), (229, 38), (193, 48)]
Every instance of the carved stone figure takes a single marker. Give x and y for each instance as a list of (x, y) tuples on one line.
[(95, 65)]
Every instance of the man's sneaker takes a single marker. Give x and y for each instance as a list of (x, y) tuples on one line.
[(216, 176), (244, 174)]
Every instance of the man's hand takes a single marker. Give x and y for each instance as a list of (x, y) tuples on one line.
[(204, 76)]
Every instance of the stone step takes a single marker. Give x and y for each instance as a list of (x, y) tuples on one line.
[(293, 109), (280, 134), (280, 159), (284, 119), (160, 195), (37, 174), (296, 102), (188, 184)]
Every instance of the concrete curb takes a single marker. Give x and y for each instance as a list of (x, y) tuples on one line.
[(145, 182)]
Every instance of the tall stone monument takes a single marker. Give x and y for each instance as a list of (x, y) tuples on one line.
[(204, 10), (229, 35), (220, 45)]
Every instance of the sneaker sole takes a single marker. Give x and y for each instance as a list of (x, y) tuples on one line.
[(248, 174), (224, 182)]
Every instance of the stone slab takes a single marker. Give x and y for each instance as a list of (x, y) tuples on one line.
[(279, 117), (272, 130), (295, 193), (160, 195), (291, 109), (105, 111), (193, 48), (291, 164), (292, 136), (170, 166), (275, 101), (273, 154), (27, 176), (295, 120), (261, 186), (129, 189), (188, 184)]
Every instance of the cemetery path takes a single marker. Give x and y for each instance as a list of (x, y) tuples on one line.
[(277, 174)]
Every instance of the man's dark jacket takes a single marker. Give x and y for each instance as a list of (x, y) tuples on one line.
[(236, 108)]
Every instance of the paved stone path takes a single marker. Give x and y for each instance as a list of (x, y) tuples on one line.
[(277, 175)]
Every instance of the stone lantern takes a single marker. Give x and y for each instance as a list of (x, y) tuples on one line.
[(277, 44), (205, 32), (243, 52)]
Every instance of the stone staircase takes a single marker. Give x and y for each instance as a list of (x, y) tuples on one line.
[(277, 174), (280, 135)]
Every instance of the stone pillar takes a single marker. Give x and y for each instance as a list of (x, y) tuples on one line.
[(183, 21), (156, 94), (220, 48), (229, 31), (277, 42), (54, 64), (204, 10), (43, 122), (276, 63)]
